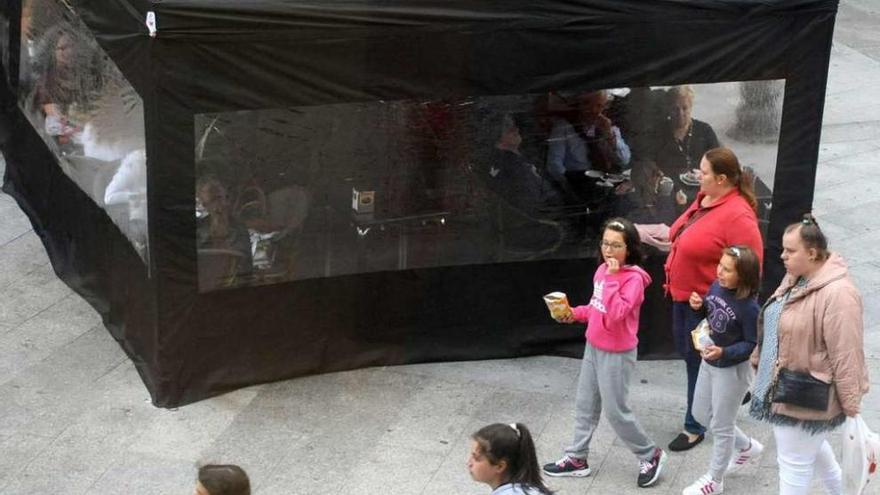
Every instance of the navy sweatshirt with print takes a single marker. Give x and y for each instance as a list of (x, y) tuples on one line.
[(733, 323)]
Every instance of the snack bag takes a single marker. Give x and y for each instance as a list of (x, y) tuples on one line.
[(701, 336), (557, 303)]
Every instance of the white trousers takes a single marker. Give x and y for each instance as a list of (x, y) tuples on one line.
[(802, 454)]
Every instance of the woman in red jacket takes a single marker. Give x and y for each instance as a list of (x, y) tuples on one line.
[(723, 214)]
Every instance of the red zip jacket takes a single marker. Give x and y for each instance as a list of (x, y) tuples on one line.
[(693, 259)]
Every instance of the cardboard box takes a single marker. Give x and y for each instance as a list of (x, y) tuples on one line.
[(363, 201)]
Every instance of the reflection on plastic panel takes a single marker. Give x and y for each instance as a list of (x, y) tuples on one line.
[(291, 194), (88, 114)]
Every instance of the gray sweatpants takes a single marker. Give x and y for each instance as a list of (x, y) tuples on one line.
[(717, 399), (604, 380)]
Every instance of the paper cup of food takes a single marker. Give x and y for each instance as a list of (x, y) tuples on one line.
[(665, 186), (557, 303)]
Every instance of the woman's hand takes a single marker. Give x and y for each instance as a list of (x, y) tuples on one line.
[(681, 198), (603, 125), (624, 187), (712, 353), (695, 301), (613, 266)]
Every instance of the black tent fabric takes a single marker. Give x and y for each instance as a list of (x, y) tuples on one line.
[(307, 103)]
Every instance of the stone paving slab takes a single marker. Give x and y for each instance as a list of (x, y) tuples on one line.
[(26, 297), (21, 256)]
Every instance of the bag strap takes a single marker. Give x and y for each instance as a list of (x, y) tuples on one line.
[(695, 215)]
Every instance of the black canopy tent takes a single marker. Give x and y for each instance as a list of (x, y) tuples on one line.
[(209, 67)]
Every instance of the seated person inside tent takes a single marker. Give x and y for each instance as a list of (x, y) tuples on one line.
[(128, 190), (69, 76), (529, 202), (514, 177), (589, 142), (649, 197), (685, 140), (223, 243), (274, 211)]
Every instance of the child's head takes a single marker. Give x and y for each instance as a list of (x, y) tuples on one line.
[(620, 240), (740, 270), (504, 453), (222, 479)]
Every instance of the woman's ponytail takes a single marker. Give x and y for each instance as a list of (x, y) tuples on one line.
[(746, 186)]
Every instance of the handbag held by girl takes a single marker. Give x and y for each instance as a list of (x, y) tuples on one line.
[(801, 389)]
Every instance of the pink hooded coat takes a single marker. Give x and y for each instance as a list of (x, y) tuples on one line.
[(612, 317), (821, 332)]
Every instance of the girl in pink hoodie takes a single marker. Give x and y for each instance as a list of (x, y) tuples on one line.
[(612, 319)]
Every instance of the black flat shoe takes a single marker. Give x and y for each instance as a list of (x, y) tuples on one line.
[(681, 442)]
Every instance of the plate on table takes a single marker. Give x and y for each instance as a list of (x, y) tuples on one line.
[(594, 174), (616, 178)]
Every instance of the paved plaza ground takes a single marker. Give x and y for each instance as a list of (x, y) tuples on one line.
[(76, 419)]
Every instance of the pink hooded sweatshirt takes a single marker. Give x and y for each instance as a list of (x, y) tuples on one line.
[(612, 317)]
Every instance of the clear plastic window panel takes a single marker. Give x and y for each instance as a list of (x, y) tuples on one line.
[(88, 114), (322, 191)]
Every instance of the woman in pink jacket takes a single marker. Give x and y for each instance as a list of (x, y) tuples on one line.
[(612, 319), (810, 344)]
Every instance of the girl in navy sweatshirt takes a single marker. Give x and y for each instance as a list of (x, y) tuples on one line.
[(731, 311)]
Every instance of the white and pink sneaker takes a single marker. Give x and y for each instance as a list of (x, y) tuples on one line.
[(745, 456), (704, 486)]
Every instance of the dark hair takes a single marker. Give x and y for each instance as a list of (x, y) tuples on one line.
[(811, 235), (724, 161), (224, 479), (634, 253), (748, 270), (513, 444), (645, 174), (82, 85)]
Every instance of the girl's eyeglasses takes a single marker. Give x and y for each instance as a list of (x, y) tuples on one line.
[(614, 246)]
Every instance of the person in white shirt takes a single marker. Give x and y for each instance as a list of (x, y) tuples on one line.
[(592, 142)]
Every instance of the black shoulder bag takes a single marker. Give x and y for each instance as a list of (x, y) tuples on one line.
[(802, 390)]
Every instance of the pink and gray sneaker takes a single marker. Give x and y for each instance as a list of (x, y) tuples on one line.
[(568, 466)]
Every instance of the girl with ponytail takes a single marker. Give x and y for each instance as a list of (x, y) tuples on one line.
[(503, 456)]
